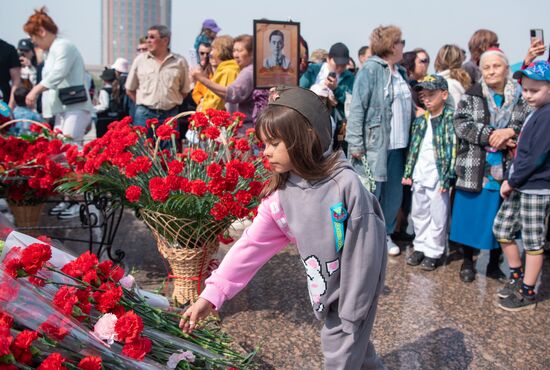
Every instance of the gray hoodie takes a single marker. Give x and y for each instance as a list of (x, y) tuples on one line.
[(352, 277)]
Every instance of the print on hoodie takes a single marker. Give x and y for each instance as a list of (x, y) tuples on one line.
[(316, 283)]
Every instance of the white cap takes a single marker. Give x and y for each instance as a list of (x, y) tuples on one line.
[(120, 65)]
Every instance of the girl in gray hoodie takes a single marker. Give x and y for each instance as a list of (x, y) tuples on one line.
[(315, 200)]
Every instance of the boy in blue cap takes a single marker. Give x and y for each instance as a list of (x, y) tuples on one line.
[(527, 193)]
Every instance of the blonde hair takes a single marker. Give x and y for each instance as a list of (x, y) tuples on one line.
[(382, 40), (319, 56), (224, 45), (480, 41), (451, 57)]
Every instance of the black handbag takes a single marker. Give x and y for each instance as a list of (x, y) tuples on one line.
[(72, 94)]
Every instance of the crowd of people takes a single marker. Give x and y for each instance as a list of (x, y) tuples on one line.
[(463, 153)]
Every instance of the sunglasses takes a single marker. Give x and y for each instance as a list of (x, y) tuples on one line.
[(204, 52), (424, 61), (495, 45), (402, 42), (139, 50)]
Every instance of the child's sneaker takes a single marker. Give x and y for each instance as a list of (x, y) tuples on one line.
[(72, 211), (393, 249), (509, 288), (58, 208), (428, 264), (518, 302)]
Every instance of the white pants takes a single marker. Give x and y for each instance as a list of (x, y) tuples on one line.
[(429, 214), (73, 124)]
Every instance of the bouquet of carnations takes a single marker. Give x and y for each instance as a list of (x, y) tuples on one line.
[(187, 197), (84, 314), (30, 165)]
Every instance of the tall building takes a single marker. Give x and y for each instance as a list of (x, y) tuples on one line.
[(125, 21)]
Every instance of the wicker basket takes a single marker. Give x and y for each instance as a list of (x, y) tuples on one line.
[(27, 216), (188, 246)]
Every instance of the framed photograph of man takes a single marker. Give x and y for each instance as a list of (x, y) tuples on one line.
[(276, 53)]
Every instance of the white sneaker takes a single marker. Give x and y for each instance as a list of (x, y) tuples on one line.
[(72, 211), (58, 208), (393, 249)]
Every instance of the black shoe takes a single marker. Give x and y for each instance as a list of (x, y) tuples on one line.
[(509, 288), (518, 302), (428, 264), (402, 236), (415, 258), (494, 272), (467, 271)]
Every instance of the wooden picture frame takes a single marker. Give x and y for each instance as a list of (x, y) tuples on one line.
[(276, 53)]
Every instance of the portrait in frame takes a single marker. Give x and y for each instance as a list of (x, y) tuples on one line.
[(276, 53)]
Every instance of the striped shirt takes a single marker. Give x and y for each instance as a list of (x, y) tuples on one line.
[(401, 112)]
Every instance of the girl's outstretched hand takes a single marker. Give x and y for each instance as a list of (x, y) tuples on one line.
[(199, 310)]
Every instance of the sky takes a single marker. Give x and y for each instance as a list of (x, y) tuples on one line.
[(425, 23)]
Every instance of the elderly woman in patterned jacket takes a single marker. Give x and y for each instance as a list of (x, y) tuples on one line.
[(487, 121)]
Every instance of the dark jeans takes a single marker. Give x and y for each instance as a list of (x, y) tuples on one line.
[(143, 113)]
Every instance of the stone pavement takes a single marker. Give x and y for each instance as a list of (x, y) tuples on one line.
[(425, 320)]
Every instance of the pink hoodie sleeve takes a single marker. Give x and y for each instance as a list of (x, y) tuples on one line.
[(267, 235)]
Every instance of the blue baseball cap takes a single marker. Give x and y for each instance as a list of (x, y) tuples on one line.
[(538, 71)]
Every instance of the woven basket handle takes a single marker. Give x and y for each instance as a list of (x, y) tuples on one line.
[(9, 123)]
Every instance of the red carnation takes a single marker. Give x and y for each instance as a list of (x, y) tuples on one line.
[(54, 328), (199, 155), (137, 349), (212, 132), (217, 186), (214, 170), (108, 296), (9, 290), (159, 189), (255, 188), (6, 321), (198, 187), (5, 341), (65, 299), (129, 327), (133, 193), (151, 121), (53, 362), (242, 145), (164, 132), (198, 120), (90, 363), (175, 167), (24, 339), (251, 132), (34, 257), (243, 197), (219, 211), (247, 170)]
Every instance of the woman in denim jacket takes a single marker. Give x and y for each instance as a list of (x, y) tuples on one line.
[(381, 113)]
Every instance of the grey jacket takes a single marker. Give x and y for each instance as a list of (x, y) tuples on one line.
[(352, 277), (472, 128), (369, 121)]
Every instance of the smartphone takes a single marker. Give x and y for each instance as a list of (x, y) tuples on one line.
[(332, 74), (537, 33)]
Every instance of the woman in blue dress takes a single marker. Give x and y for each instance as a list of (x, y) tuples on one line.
[(487, 121)]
